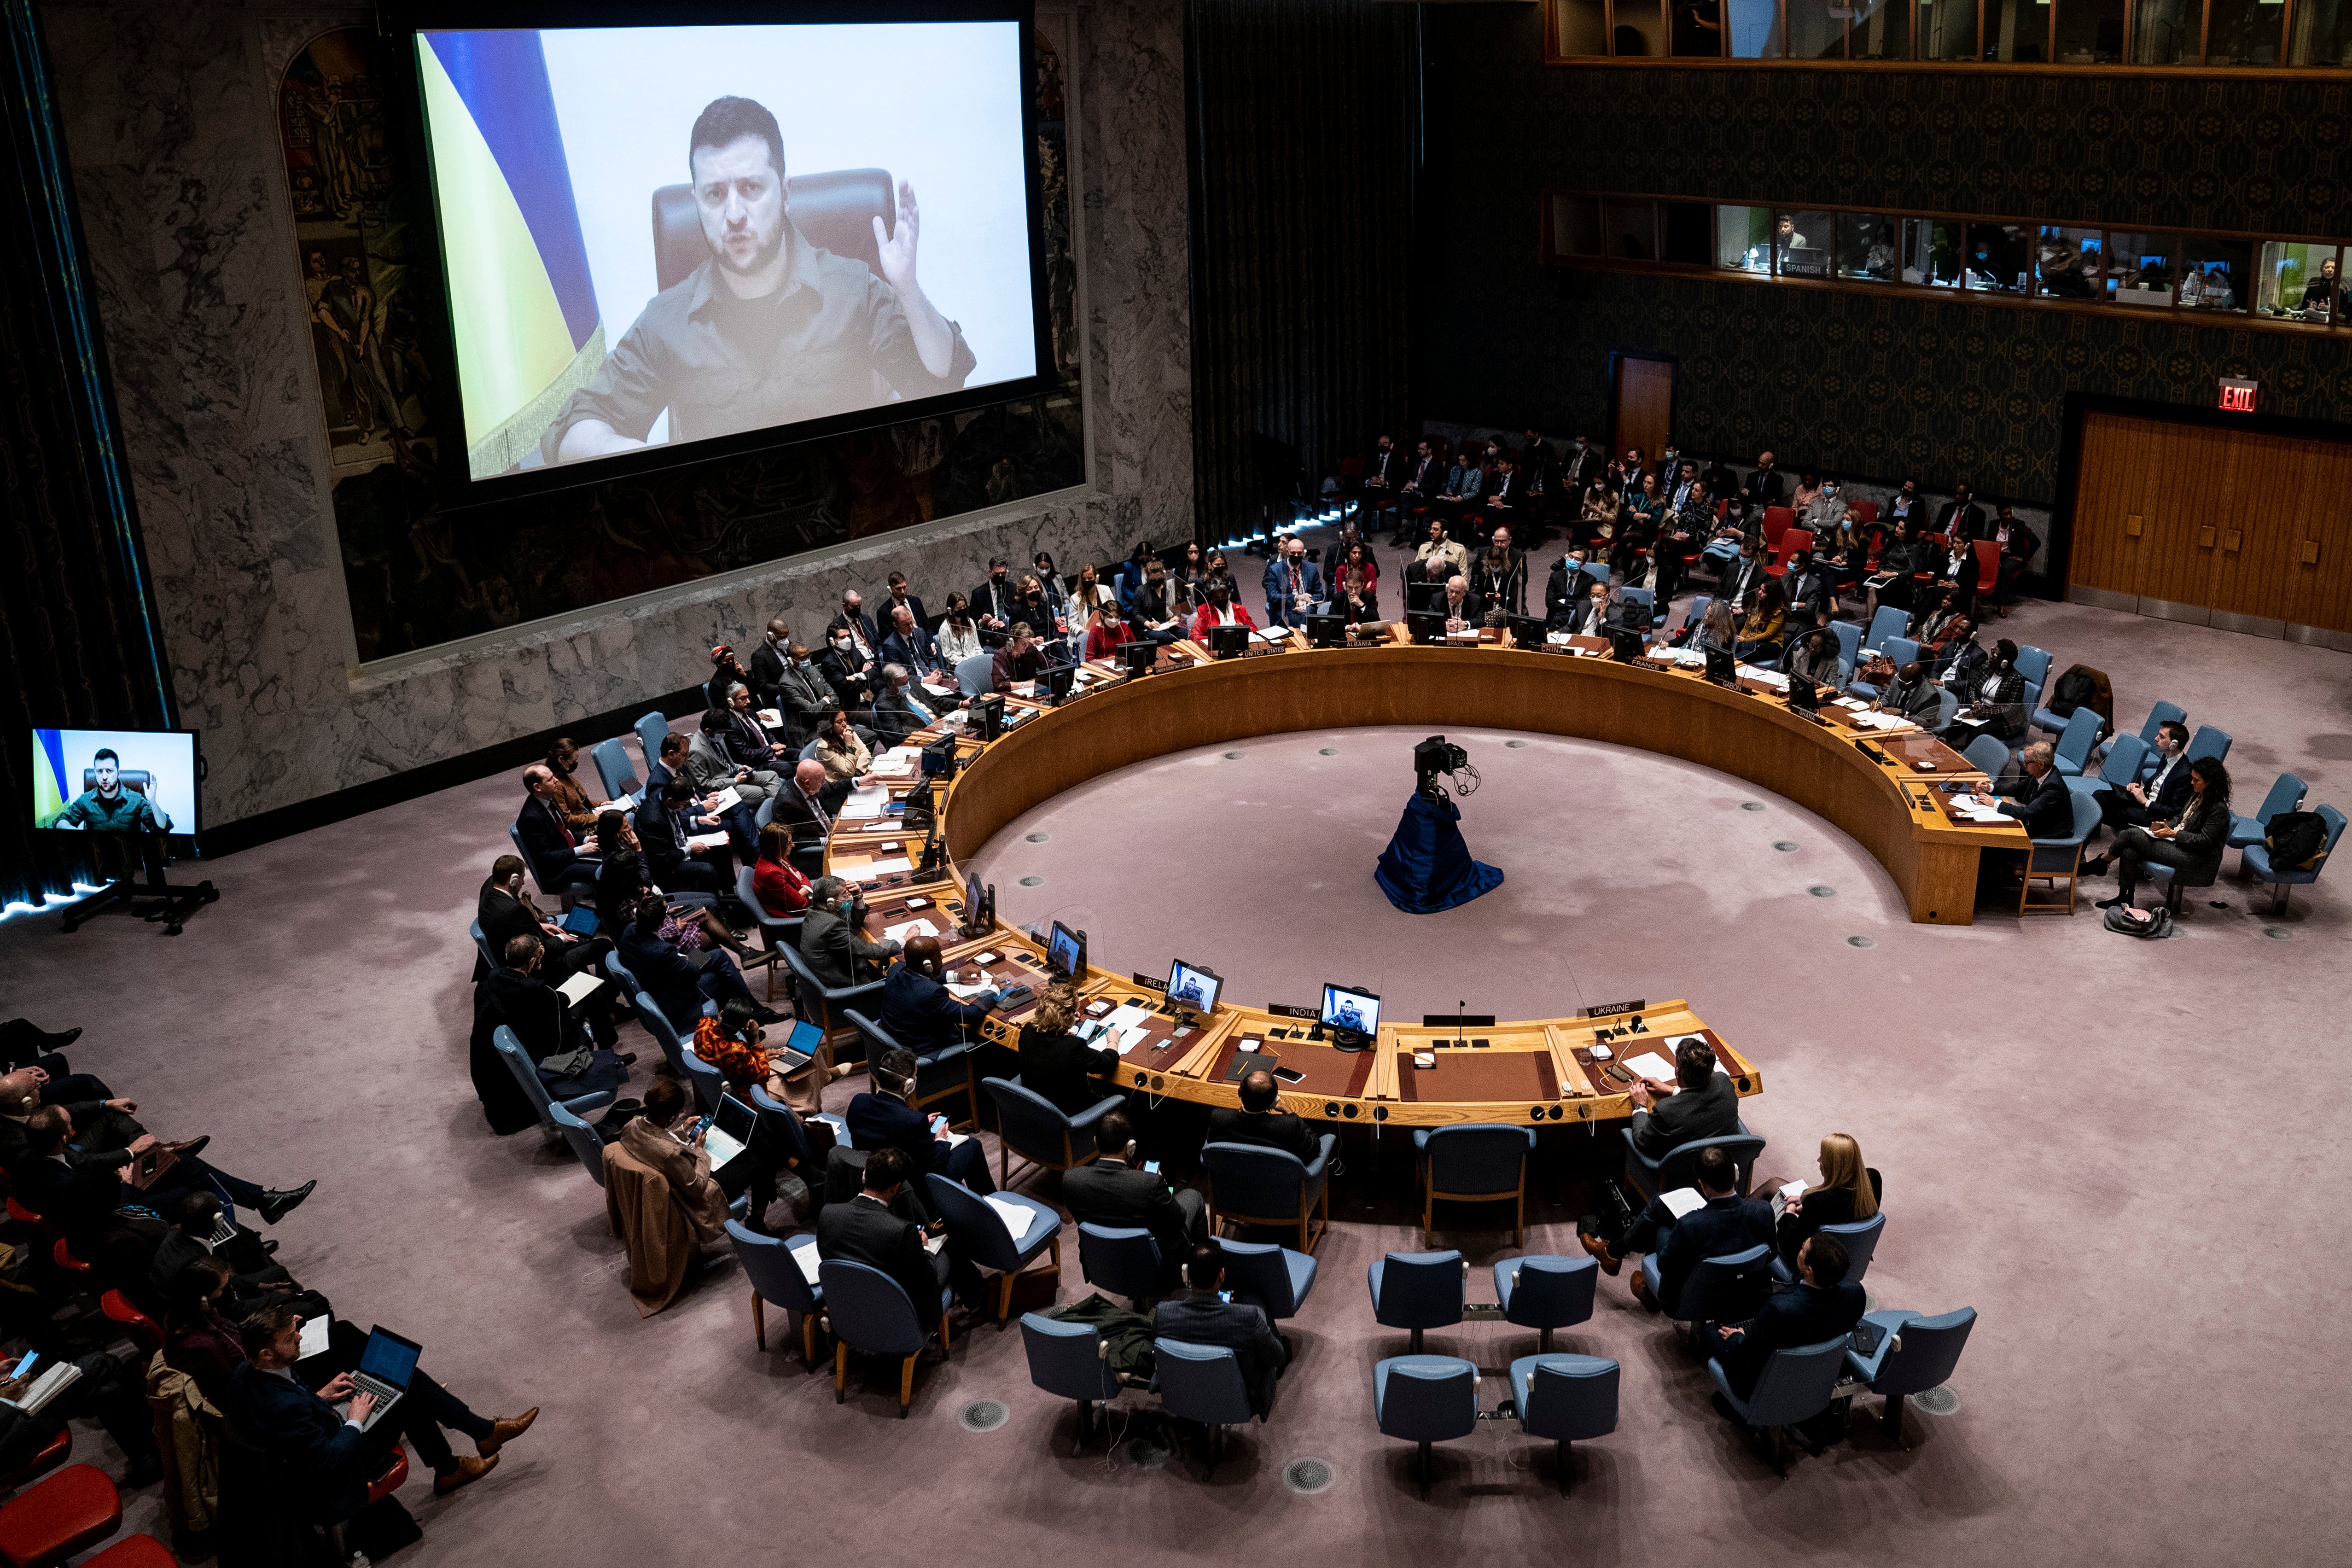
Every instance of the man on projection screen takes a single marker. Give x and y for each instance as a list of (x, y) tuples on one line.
[(771, 329)]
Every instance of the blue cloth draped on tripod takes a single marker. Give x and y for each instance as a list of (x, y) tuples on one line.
[(1426, 866)]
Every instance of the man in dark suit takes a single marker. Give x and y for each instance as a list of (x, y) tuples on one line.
[(1565, 590), (323, 1445), (664, 824), (1384, 470), (803, 696), (1111, 1190), (1257, 1121), (1582, 464), (255, 1281), (2161, 799), (101, 1124), (550, 845), (849, 673), (899, 597), (1197, 1318), (915, 649), (1765, 487), (886, 1117), (993, 601), (833, 940), (1725, 1223), (1961, 518), (1822, 1305), (1744, 577), (769, 661), (1592, 615), (2041, 799), (917, 1010), (865, 1230), (677, 984), (747, 740), (78, 1181), (556, 1040), (1701, 1103), (807, 801), (866, 640), (1423, 482), (1809, 588), (1293, 585), (896, 714)]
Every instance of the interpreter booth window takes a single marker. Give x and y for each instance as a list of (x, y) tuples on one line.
[(2140, 269), (2164, 32), (2070, 264), (1869, 248), (1816, 31), (2091, 32), (1931, 252), (1948, 29), (1752, 28), (2322, 34), (2299, 282), (1881, 30), (1630, 230), (1576, 227), (1801, 243), (2243, 32), (1743, 238), (1999, 257), (1686, 237), (2217, 275), (2017, 31), (1580, 28)]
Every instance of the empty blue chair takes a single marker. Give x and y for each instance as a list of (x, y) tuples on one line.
[(807, 753), (1566, 1398), (1917, 1354), (1477, 1163), (1546, 1292), (2056, 860), (2073, 753), (2210, 741), (1121, 1259), (490, 960), (526, 1072), (773, 1267), (2286, 794), (1860, 1239), (1067, 1359), (780, 935), (1889, 622), (1417, 1290), (942, 1074), (1989, 754), (1278, 1278), (1849, 636), (650, 731), (672, 1043), (786, 1123), (979, 1224), (976, 677), (1725, 1289), (2281, 877), (586, 1144), (1251, 1185), (1425, 1399), (868, 1312), (1902, 650), (2034, 663), (1678, 1167), (611, 760), (1947, 704), (1033, 1127), (1203, 1384), (1793, 1386), (2120, 767)]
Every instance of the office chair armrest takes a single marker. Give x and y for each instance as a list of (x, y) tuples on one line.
[(944, 1054), (580, 1105), (849, 994), (1867, 1368), (1322, 1161), (1093, 1113)]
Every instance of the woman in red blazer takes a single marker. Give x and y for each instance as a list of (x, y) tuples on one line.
[(783, 891), (1356, 586), (1221, 610), (1106, 630)]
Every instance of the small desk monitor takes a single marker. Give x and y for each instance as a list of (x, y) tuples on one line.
[(989, 713), (1425, 625), (1527, 631), (1192, 989), (1720, 668), (1352, 1016), (1138, 656), (1065, 952), (1058, 680), (1626, 646), (1328, 631), (1801, 695), (1229, 642)]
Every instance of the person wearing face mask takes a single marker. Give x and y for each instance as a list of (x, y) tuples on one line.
[(1294, 586), (1222, 609), (769, 661), (504, 910), (959, 635), (711, 767), (834, 939), (1995, 701), (1056, 596), (991, 602), (850, 675), (918, 1009), (726, 669), (805, 695), (1824, 511), (1156, 617)]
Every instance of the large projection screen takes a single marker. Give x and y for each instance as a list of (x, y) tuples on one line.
[(628, 271)]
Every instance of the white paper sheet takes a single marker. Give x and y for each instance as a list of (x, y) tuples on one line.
[(878, 869), (864, 804), (1017, 1217), (1683, 1200), (727, 799), (577, 986), (705, 841), (909, 929), (1650, 1064), (807, 1259)]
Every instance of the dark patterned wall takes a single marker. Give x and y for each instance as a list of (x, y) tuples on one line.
[(1871, 385)]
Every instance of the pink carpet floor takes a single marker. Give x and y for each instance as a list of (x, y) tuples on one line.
[(2122, 1155)]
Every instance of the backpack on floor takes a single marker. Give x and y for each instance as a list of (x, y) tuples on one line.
[(2295, 839), (2140, 923)]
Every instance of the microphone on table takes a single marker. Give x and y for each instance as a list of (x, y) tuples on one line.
[(1461, 1010)]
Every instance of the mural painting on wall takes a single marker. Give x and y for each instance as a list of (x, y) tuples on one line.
[(417, 576)]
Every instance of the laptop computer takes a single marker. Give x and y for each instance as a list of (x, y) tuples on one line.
[(386, 1367), (730, 1131)]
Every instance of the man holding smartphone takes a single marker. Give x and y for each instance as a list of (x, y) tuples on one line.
[(1201, 1316), (1109, 1190)]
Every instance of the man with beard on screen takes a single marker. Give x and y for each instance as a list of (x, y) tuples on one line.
[(771, 329)]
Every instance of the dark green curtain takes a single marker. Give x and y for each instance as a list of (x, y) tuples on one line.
[(77, 631), (1305, 134)]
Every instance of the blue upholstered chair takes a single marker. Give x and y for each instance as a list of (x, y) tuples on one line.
[(1033, 1127), (577, 877), (525, 1073), (808, 857), (1889, 622), (1121, 1259), (1546, 1292), (1597, 571), (1067, 1359), (490, 960), (1678, 1167), (1203, 1384), (2281, 877), (1860, 1239), (2119, 767), (1901, 649), (1275, 1277), (1425, 1399), (781, 936), (772, 1267), (1417, 1290), (1725, 1289), (1916, 1354), (1849, 636), (786, 1123), (611, 760), (2056, 860), (1794, 1386), (942, 1074), (2286, 794), (650, 731), (1947, 706), (586, 1144), (824, 1005), (1641, 600), (977, 1226), (2073, 753), (1989, 754), (976, 676), (708, 1082), (1697, 615), (868, 1312), (2034, 663), (2210, 741), (1566, 1398), (1251, 1185), (657, 1025), (1478, 1163)]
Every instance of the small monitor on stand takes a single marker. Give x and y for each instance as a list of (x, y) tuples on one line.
[(1229, 642), (1058, 680), (1065, 952), (1527, 631), (1801, 695), (1353, 1016), (1426, 625), (1138, 658), (989, 713), (1192, 990), (1328, 631), (1721, 668), (1626, 645)]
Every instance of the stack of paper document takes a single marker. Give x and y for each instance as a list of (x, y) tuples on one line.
[(896, 764), (864, 803), (807, 1259), (727, 799), (1789, 1190), (1884, 723), (1852, 704), (1683, 1200), (1772, 679), (966, 993), (705, 841), (622, 803), (1017, 1217), (1688, 658), (1975, 809), (877, 869), (900, 933), (1650, 1064)]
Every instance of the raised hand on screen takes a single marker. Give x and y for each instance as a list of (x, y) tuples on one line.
[(898, 248)]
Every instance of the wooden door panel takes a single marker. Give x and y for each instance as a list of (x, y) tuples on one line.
[(1645, 399)]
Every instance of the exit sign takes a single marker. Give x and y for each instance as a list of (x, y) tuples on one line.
[(2238, 396)]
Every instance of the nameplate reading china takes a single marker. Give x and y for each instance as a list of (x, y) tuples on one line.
[(1611, 1009)]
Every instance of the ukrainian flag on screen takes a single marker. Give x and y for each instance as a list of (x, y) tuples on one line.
[(49, 792), (521, 299)]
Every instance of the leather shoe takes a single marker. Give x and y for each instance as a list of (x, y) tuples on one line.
[(2111, 903), (468, 1470), (767, 1015), (1642, 1290), (276, 1207), (192, 1148), (504, 1430), (2096, 866), (60, 1041), (269, 1246), (1610, 1261), (629, 1058)]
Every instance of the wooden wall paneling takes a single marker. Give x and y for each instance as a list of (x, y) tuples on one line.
[(2251, 577), (2322, 594), (2106, 492), (2173, 566), (1645, 404)]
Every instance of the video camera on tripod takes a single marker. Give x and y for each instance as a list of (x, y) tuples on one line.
[(1434, 757)]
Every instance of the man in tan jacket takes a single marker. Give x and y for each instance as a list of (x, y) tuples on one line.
[(650, 1137)]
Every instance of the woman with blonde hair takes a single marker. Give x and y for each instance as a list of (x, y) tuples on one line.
[(1847, 1192), (1058, 1065)]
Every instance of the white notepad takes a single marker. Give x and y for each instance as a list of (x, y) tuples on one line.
[(878, 869), (726, 799), (1650, 1064), (1683, 1200), (1017, 1217), (909, 929), (577, 986)]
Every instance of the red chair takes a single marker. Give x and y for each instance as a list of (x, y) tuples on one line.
[(394, 1477), (144, 1330), (138, 1551), (1777, 520), (1987, 565), (59, 1449), (1792, 542), (1863, 513), (22, 1215), (71, 1511), (66, 1260)]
